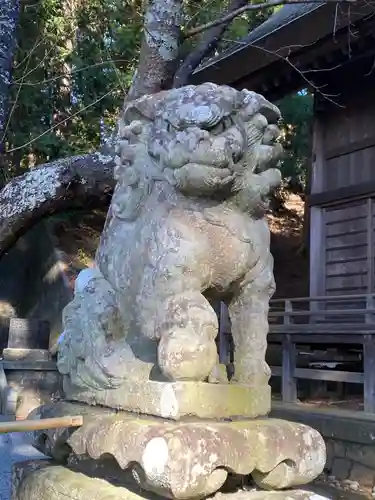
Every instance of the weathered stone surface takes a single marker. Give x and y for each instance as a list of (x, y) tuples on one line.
[(330, 454), (21, 470), (189, 459), (341, 468), (16, 354), (270, 495), (33, 388), (185, 225), (362, 454), (364, 475), (60, 483), (349, 437), (339, 449), (174, 400)]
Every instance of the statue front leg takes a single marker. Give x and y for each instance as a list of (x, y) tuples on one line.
[(187, 348), (248, 312)]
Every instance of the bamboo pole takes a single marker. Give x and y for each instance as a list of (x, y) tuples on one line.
[(40, 424)]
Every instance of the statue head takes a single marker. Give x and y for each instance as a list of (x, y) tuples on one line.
[(204, 140)]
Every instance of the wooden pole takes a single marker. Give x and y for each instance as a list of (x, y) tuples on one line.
[(40, 424)]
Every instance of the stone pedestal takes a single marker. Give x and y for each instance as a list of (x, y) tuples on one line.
[(176, 400), (178, 460)]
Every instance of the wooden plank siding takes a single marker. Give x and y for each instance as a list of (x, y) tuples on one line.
[(349, 141), (342, 255), (346, 258)]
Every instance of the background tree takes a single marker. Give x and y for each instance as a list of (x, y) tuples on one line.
[(73, 66), (9, 14)]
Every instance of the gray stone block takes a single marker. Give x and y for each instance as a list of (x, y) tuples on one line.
[(362, 454), (22, 469), (364, 475), (341, 468)]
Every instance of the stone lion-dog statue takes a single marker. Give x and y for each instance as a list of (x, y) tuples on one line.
[(195, 168)]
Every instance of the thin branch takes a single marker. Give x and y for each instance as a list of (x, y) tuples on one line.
[(317, 89), (260, 6), (10, 114), (73, 72), (62, 121), (206, 46)]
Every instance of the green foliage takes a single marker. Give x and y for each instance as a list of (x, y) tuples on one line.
[(74, 62), (297, 112)]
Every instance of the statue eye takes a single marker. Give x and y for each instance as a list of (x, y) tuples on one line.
[(223, 125), (171, 129), (218, 128)]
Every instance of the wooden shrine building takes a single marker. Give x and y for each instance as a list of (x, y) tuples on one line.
[(331, 46)]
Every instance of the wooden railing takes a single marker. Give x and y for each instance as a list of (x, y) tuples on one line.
[(343, 319)]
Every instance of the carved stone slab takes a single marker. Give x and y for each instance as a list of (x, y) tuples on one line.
[(175, 400), (60, 483), (191, 459)]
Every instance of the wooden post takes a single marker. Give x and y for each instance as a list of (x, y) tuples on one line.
[(317, 214), (369, 373), (289, 383), (369, 361), (370, 246)]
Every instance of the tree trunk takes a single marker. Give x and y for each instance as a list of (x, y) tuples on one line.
[(159, 50), (54, 187), (9, 14)]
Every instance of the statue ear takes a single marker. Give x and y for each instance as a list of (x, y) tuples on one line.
[(145, 107)]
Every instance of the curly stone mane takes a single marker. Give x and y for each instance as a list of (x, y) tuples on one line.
[(205, 140)]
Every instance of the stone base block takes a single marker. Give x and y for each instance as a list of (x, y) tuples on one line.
[(13, 354), (60, 483), (33, 387), (189, 459), (21, 470), (176, 400)]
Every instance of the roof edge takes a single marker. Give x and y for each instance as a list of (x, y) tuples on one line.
[(245, 42)]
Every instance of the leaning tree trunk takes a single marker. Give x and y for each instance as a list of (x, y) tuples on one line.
[(54, 187), (9, 14)]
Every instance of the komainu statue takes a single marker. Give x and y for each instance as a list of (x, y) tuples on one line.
[(186, 227), (186, 224)]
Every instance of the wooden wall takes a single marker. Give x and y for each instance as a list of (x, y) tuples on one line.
[(343, 222), (348, 247), (349, 141)]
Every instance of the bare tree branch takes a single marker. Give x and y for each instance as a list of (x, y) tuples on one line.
[(206, 46), (256, 6), (76, 182), (278, 54)]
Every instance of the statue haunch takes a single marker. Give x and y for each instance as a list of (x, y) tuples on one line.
[(186, 224)]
